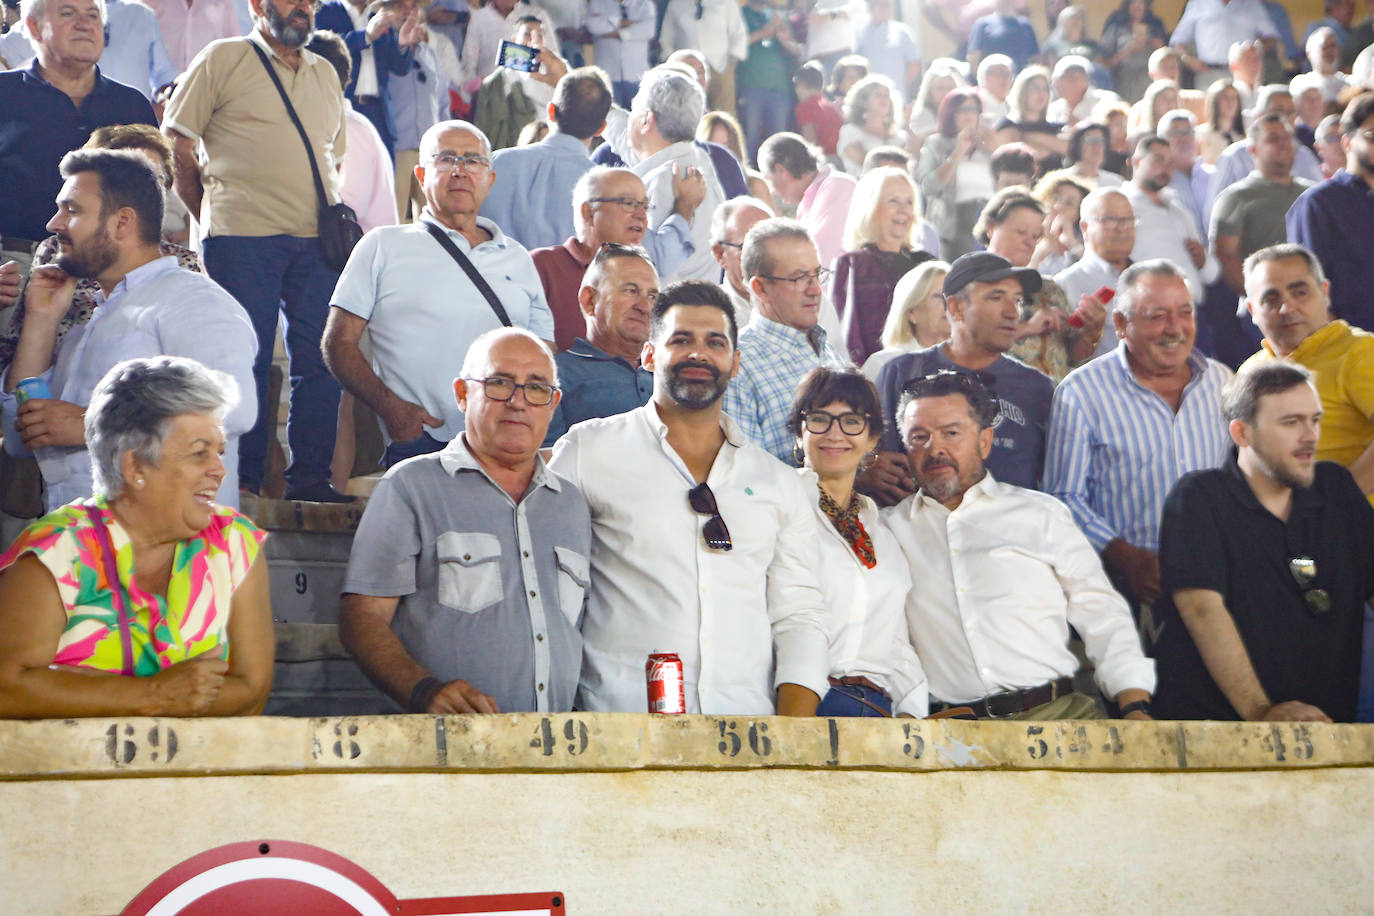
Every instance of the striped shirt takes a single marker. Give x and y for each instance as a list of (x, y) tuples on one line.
[(773, 358), (1116, 448)]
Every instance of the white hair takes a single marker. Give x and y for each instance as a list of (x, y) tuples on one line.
[(37, 9), (429, 143), (589, 186), (676, 100)]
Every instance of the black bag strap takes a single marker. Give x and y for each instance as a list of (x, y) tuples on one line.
[(456, 253), (291, 110)]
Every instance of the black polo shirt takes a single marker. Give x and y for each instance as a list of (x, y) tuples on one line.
[(1215, 535), (38, 126)]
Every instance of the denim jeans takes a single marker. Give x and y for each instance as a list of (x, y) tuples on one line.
[(397, 452), (268, 275), (847, 700), (762, 113)]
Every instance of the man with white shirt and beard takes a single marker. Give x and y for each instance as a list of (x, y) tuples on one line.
[(1003, 573), (708, 549)]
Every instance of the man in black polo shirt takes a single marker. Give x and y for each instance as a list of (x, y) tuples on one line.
[(48, 109), (1266, 564)]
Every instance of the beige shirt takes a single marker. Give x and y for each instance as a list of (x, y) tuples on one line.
[(253, 163)]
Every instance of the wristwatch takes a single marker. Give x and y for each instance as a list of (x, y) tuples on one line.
[(1136, 706)]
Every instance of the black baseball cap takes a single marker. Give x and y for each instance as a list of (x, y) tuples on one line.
[(986, 267)]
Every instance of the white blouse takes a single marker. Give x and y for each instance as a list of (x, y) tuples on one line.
[(867, 607)]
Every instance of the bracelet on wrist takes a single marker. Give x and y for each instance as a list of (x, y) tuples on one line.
[(1136, 706), (423, 693)]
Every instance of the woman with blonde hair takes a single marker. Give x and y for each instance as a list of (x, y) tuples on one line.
[(917, 318), (870, 120), (1025, 122), (724, 128), (943, 76), (882, 242)]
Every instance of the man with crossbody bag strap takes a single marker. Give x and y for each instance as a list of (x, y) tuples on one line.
[(424, 291), (256, 198)]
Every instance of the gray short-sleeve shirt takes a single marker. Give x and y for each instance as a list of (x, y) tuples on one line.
[(491, 591)]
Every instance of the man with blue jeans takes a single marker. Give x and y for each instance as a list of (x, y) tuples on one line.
[(260, 216)]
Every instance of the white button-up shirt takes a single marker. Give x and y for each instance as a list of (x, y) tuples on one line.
[(868, 632), (718, 32), (1212, 26), (999, 581), (622, 52), (742, 620), (1160, 231)]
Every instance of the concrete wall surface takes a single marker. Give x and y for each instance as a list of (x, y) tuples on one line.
[(641, 814)]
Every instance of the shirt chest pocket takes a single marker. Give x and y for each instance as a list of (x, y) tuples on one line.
[(469, 570), (572, 581)]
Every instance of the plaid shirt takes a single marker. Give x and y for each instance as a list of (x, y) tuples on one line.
[(773, 359)]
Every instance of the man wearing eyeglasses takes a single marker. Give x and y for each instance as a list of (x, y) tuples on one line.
[(1108, 224), (702, 544), (784, 339), (420, 307), (1266, 567), (256, 201), (465, 585), (611, 205)]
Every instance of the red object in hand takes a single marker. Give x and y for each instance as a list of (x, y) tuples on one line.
[(1103, 295)]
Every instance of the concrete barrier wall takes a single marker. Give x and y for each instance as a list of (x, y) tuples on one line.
[(634, 814)]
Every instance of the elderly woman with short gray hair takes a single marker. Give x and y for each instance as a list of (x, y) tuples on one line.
[(148, 598)]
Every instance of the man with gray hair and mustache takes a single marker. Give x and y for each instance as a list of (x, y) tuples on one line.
[(1126, 426), (663, 122)]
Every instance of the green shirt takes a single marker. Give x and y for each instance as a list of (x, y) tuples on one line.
[(768, 65)]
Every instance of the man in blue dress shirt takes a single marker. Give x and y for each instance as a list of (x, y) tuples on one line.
[(531, 201)]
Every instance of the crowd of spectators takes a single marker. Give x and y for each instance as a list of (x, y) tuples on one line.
[(865, 382)]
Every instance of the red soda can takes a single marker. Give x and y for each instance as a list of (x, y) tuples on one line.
[(663, 672)]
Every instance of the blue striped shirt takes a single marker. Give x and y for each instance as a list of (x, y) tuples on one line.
[(1116, 448), (773, 358)]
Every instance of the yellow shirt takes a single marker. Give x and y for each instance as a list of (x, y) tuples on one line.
[(253, 163), (1341, 360)]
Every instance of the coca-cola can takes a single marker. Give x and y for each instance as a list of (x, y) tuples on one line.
[(663, 672)]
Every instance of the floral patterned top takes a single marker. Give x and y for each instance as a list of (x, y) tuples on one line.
[(192, 619)]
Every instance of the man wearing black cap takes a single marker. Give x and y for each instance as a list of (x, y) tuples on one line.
[(983, 294)]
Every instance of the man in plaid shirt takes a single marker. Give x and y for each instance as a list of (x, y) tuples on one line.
[(783, 340)]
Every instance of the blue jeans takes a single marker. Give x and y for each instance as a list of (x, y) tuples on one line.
[(762, 113), (399, 451), (267, 275), (847, 701)]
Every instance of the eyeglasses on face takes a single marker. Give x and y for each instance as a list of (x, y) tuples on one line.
[(818, 422), (627, 204), (498, 388), (802, 281), (470, 162), (703, 502)]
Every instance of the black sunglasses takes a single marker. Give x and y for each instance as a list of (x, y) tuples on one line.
[(1304, 570), (703, 502)]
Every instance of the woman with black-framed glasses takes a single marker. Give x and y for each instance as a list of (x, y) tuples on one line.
[(874, 671)]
